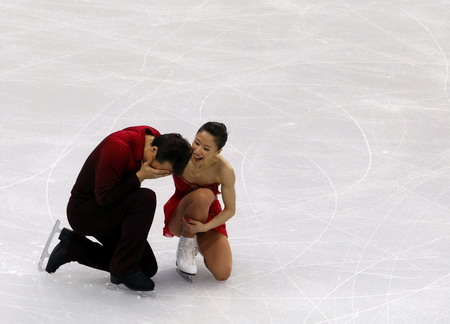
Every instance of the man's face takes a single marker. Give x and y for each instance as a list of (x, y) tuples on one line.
[(150, 155), (162, 166)]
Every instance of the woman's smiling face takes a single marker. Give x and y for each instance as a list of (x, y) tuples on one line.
[(204, 147)]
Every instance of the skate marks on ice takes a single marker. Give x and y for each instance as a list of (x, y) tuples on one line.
[(46, 253)]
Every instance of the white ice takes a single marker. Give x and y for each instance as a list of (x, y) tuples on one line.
[(339, 119)]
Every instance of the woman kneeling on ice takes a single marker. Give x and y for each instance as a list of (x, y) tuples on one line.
[(194, 212)]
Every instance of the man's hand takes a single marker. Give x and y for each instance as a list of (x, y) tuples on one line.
[(147, 172)]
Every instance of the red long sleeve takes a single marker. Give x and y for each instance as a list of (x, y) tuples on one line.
[(109, 172), (112, 181)]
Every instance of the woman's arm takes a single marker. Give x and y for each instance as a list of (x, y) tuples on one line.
[(228, 180)]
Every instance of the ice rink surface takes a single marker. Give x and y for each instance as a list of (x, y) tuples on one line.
[(339, 119)]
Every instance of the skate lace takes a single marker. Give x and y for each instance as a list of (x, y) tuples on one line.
[(196, 248), (189, 250)]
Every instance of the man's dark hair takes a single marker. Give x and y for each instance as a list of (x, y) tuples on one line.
[(173, 148), (218, 130)]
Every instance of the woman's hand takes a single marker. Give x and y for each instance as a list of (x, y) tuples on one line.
[(193, 227)]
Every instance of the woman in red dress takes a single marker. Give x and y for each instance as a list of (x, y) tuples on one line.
[(194, 212)]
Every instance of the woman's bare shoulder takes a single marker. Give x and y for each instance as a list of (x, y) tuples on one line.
[(225, 169)]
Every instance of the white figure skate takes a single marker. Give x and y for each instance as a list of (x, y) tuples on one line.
[(186, 252)]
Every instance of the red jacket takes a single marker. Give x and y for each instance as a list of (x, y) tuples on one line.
[(109, 172)]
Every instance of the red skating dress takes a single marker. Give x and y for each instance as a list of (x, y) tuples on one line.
[(182, 188)]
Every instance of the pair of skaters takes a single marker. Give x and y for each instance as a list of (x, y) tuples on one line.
[(108, 203)]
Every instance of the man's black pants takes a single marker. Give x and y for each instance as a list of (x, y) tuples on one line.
[(121, 228)]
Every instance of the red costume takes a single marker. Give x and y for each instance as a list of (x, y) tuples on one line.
[(107, 202), (109, 172), (182, 188)]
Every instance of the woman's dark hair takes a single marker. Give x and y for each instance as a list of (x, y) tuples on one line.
[(173, 148), (218, 130)]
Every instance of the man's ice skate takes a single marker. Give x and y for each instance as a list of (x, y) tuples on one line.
[(137, 284), (45, 253), (139, 293), (59, 255), (186, 252)]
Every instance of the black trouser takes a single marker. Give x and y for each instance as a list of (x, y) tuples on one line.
[(121, 228)]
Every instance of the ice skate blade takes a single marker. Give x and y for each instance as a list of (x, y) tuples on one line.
[(186, 276), (46, 253), (138, 293)]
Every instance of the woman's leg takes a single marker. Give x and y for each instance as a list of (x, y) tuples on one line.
[(213, 245), (195, 205), (216, 252)]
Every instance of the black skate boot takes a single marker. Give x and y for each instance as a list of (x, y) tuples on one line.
[(137, 281), (59, 255)]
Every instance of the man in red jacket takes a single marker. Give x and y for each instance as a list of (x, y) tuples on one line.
[(108, 203)]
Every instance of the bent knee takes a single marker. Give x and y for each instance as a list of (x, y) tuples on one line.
[(146, 197), (222, 275), (146, 194), (203, 194)]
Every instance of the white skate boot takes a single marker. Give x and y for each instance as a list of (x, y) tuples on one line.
[(186, 252)]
